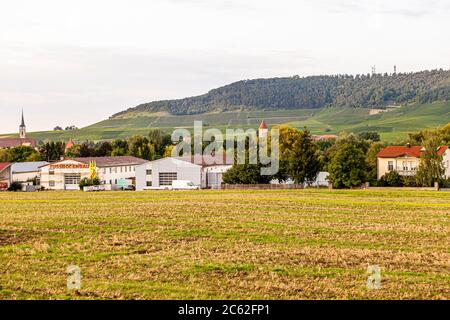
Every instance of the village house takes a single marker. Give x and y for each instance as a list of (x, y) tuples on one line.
[(406, 159)]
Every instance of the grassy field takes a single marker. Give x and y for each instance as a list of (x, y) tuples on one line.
[(311, 244), (393, 126)]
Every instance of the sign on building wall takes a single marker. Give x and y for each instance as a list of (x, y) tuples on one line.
[(69, 166)]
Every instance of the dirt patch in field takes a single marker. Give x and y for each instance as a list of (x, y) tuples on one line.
[(12, 237)]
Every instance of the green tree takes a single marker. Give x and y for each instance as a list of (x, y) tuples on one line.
[(347, 167), (74, 151), (391, 179), (245, 174), (103, 149), (4, 155), (431, 168), (303, 159), (23, 154), (52, 151), (119, 148), (288, 136), (372, 161), (140, 147), (370, 135)]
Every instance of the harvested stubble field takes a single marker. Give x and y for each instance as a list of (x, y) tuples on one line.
[(287, 244)]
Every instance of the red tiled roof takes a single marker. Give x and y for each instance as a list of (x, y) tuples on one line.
[(4, 165), (16, 142), (442, 150), (263, 125), (398, 151)]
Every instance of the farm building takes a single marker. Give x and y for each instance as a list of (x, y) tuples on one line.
[(67, 174)]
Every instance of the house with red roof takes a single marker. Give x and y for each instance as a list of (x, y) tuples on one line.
[(406, 159), (5, 175)]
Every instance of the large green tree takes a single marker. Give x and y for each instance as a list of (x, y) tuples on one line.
[(245, 174), (22, 154), (140, 147), (52, 151), (431, 168), (347, 166), (303, 159)]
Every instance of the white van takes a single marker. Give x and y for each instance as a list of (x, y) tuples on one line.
[(184, 185)]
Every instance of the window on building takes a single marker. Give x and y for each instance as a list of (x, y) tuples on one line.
[(110, 170), (149, 172), (51, 183), (74, 178), (405, 166), (51, 172), (126, 169), (166, 178), (391, 165), (121, 169), (149, 183)]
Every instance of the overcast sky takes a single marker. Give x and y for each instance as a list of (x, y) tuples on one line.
[(78, 62)]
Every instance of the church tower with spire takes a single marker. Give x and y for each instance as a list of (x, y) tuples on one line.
[(22, 129)]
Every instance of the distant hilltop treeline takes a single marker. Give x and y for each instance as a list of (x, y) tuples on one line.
[(365, 91)]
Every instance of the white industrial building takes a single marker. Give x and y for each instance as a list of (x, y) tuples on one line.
[(26, 171), (67, 174), (160, 173)]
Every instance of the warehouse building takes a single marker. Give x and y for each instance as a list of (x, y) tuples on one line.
[(26, 171), (160, 173), (67, 174)]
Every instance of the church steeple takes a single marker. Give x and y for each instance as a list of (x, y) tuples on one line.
[(22, 128)]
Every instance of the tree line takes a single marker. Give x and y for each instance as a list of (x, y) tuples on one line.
[(151, 147), (366, 90), (350, 160)]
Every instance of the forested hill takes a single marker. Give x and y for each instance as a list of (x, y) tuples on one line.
[(367, 91)]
